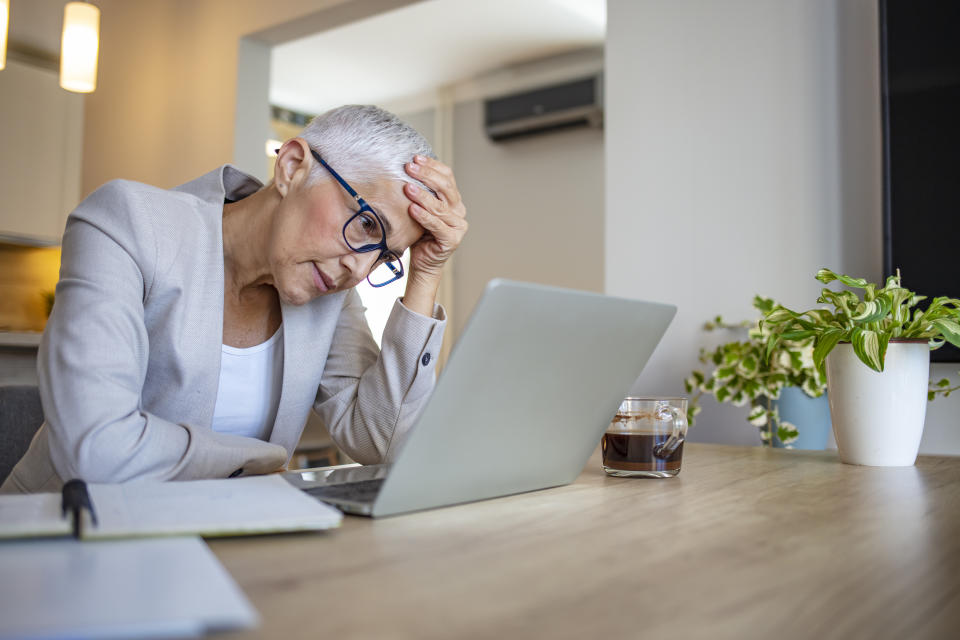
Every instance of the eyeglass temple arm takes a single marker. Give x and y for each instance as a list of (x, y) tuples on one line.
[(336, 176)]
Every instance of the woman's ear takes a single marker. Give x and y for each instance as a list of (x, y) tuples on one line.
[(293, 164)]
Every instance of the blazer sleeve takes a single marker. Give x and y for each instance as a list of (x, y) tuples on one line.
[(369, 399), (93, 360)]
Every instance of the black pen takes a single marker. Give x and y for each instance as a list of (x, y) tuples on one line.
[(75, 499)]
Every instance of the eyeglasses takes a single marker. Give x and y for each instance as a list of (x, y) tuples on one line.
[(365, 232)]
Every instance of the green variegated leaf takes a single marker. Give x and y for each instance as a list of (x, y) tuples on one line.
[(775, 382), (748, 366), (811, 387), (739, 399), (731, 353), (820, 316), (723, 394), (899, 295), (757, 416), (779, 315), (796, 362), (784, 361), (884, 339), (866, 344), (724, 373), (764, 305), (751, 388), (826, 276), (772, 343), (798, 335), (872, 311), (787, 433), (931, 396), (949, 329), (824, 345)]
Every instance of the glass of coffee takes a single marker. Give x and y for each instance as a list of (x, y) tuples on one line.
[(646, 438)]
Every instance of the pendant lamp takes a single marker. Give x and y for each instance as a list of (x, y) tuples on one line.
[(79, 47), (4, 23)]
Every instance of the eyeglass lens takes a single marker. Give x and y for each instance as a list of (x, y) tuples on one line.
[(363, 231)]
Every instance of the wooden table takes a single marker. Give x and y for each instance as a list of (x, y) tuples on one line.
[(744, 543)]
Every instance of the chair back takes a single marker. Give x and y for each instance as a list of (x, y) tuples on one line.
[(21, 414)]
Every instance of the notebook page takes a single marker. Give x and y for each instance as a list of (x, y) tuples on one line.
[(237, 506), (32, 515)]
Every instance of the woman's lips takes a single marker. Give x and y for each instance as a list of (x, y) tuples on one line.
[(321, 280)]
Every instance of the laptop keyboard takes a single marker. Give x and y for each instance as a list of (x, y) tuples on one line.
[(359, 491)]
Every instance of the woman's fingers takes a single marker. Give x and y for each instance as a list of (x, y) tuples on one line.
[(422, 197), (442, 214), (437, 176)]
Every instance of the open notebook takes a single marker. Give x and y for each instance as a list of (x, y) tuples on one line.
[(238, 506)]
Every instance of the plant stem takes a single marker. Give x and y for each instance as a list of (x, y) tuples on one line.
[(770, 421)]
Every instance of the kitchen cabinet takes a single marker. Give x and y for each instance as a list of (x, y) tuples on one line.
[(41, 129)]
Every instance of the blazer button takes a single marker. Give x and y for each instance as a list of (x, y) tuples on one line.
[(425, 360), (236, 473)]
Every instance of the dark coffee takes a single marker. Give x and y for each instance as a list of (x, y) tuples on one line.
[(638, 452)]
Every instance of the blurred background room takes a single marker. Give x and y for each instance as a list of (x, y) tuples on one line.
[(693, 152)]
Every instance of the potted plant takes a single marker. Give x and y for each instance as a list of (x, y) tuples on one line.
[(875, 353), (743, 373)]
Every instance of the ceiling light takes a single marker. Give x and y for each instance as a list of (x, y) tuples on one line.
[(79, 46), (272, 147), (4, 23)]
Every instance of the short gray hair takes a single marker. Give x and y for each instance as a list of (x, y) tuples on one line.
[(364, 143)]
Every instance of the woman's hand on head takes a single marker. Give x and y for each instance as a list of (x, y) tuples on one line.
[(443, 216)]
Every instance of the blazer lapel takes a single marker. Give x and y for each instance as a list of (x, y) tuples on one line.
[(286, 430), (307, 334)]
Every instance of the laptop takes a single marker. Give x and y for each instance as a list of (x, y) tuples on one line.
[(529, 389)]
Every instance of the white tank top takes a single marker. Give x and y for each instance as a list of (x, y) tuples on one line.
[(249, 391)]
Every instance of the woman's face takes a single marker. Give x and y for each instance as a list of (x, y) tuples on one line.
[(307, 254)]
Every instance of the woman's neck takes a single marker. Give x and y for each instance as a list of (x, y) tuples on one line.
[(246, 227)]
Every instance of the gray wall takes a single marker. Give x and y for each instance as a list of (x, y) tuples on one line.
[(743, 153), (535, 207)]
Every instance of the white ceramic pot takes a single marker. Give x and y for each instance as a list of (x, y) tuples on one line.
[(878, 417)]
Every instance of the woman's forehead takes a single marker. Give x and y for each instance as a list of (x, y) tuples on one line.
[(389, 201)]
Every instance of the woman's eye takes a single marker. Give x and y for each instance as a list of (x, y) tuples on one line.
[(367, 222)]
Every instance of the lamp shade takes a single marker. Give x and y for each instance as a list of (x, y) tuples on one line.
[(4, 23), (79, 47)]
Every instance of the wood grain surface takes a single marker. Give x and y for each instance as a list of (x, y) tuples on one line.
[(745, 543)]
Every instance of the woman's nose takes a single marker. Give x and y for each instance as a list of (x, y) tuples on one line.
[(359, 264)]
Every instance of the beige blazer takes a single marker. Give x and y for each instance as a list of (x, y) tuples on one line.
[(129, 364)]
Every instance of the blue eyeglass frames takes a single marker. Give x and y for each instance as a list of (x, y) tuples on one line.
[(364, 232)]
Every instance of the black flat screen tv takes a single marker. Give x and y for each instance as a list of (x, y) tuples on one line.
[(920, 86)]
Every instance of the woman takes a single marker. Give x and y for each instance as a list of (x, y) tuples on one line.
[(195, 328)]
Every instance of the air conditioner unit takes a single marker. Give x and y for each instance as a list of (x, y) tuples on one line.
[(575, 103)]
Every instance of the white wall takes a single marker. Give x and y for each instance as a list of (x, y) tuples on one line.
[(743, 153)]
